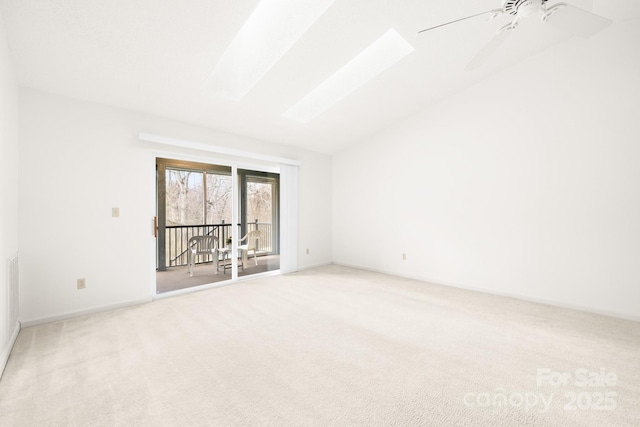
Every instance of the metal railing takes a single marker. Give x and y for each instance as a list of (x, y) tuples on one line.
[(177, 239)]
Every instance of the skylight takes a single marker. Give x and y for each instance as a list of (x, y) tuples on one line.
[(382, 54), (271, 30)]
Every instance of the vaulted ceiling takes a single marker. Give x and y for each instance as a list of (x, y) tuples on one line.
[(156, 56)]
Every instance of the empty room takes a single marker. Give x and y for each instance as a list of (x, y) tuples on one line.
[(327, 212)]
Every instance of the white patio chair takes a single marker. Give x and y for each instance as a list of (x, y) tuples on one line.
[(252, 238), (202, 245)]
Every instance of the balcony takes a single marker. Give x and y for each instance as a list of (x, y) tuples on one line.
[(177, 239), (172, 273)]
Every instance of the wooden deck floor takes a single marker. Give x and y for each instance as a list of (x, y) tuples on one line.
[(177, 277)]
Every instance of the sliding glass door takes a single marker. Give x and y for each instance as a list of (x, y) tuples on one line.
[(195, 224)]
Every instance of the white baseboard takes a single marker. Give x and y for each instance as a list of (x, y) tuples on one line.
[(6, 352), (69, 315), (309, 267), (560, 304)]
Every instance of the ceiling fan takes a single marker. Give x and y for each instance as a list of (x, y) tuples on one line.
[(562, 16)]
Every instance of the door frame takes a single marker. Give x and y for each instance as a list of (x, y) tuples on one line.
[(247, 176), (235, 165), (162, 164)]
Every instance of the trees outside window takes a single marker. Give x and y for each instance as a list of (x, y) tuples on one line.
[(259, 202), (195, 198)]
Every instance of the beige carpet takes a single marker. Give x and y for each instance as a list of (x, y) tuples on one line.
[(329, 346)]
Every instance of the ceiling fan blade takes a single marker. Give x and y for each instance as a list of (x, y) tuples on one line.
[(489, 48), (575, 20), (494, 12)]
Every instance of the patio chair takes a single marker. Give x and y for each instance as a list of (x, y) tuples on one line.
[(252, 239), (202, 245)]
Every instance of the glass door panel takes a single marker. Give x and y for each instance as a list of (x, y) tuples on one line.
[(259, 222), (194, 219)]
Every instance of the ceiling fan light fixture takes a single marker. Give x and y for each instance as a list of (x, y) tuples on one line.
[(530, 8)]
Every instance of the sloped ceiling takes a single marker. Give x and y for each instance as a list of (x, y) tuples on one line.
[(156, 55)]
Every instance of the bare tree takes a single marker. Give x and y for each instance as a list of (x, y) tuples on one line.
[(218, 198), (187, 202), (182, 180), (259, 201)]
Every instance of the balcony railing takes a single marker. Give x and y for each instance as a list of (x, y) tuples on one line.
[(177, 239)]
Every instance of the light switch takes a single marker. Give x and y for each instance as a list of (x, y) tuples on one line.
[(115, 212)]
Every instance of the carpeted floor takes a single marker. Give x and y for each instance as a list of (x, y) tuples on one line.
[(328, 346)]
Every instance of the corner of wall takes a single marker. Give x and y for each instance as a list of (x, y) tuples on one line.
[(6, 352)]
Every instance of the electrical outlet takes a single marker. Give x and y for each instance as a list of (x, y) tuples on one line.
[(404, 257), (82, 283)]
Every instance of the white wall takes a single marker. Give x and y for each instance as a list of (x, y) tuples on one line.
[(527, 184), (82, 159), (8, 186)]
